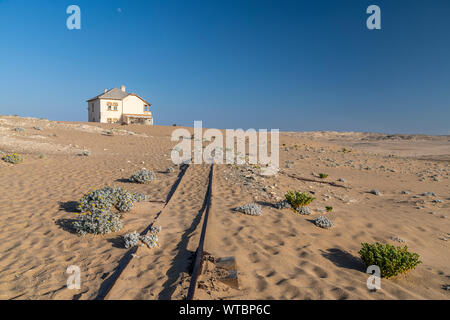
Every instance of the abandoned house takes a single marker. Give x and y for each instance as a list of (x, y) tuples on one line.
[(118, 106)]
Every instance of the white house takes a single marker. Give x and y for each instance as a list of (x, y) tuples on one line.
[(117, 105)]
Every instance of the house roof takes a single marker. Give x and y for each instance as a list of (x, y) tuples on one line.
[(116, 94)]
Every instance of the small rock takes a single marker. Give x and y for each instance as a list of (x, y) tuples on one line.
[(375, 192), (428, 194), (397, 239), (85, 153)]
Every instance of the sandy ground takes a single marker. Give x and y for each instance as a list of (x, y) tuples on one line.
[(279, 255)]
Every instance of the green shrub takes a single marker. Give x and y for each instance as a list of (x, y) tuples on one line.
[(391, 260), (329, 208), (298, 199), (323, 175), (41, 156), (13, 158)]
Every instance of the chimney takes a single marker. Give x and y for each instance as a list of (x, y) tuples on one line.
[(106, 90), (122, 88)]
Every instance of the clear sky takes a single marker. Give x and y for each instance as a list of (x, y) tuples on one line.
[(292, 65)]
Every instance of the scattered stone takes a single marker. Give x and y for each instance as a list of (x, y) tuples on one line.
[(85, 153), (170, 170), (341, 180), (323, 222), (37, 128), (252, 209), (437, 201), (406, 192), (108, 133), (375, 192), (395, 238), (428, 194)]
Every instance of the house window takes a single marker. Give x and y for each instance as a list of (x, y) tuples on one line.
[(115, 106), (109, 105), (146, 108)]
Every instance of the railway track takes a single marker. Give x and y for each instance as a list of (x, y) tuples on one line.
[(157, 273)]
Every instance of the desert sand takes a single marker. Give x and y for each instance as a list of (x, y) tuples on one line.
[(279, 255)]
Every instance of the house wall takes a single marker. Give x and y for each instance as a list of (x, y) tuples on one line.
[(94, 110), (134, 105), (105, 114)]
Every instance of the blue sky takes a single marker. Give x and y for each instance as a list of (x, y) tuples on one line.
[(292, 65)]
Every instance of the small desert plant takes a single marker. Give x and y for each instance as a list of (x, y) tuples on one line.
[(329, 208), (391, 260), (323, 175), (252, 209), (143, 176), (323, 222), (95, 207), (131, 239), (41, 156), (298, 199), (151, 240), (97, 223), (283, 204), (13, 158)]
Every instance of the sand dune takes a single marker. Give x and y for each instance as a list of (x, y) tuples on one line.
[(280, 254)]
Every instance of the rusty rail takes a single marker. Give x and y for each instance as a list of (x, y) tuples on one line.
[(198, 263)]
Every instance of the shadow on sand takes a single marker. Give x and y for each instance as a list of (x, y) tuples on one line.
[(66, 225), (343, 259)]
